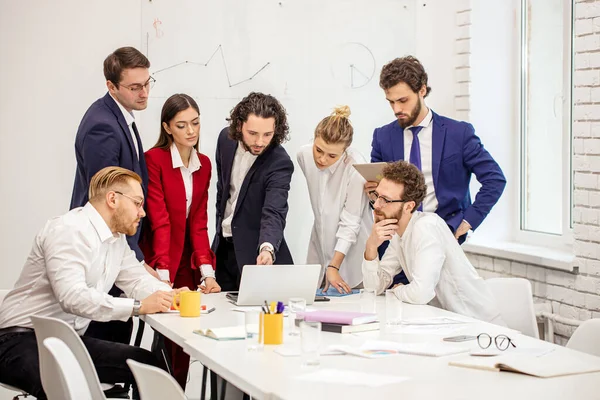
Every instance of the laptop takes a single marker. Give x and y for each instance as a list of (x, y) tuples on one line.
[(276, 283)]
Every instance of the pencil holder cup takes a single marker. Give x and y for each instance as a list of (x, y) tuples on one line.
[(271, 328)]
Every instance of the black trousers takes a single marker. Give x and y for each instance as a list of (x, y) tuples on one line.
[(114, 331), (20, 367), (228, 273)]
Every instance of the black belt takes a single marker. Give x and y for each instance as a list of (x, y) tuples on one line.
[(228, 239), (15, 329)]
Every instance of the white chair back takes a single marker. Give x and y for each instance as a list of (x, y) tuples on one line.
[(67, 377), (52, 327), (586, 337), (154, 383), (515, 302)]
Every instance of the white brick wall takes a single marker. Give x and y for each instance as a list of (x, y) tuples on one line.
[(575, 296)]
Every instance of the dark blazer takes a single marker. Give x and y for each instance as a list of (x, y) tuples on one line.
[(103, 139), (163, 236), (262, 206), (456, 154)]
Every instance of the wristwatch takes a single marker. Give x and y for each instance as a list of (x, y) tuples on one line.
[(137, 304), (267, 248)]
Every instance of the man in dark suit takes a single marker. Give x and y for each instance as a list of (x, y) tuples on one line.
[(254, 173), (447, 151), (108, 136)]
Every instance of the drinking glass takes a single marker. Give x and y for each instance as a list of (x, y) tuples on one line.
[(310, 343), (393, 310), (252, 323), (368, 298), (295, 305)]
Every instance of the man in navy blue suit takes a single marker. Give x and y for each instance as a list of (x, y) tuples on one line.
[(108, 136), (447, 151), (253, 181)]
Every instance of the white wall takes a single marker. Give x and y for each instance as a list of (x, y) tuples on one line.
[(51, 71), (494, 107), (51, 57)]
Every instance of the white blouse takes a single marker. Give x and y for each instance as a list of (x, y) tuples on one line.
[(186, 173), (342, 217)]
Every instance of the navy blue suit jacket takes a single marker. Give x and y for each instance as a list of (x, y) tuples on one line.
[(262, 205), (456, 154), (103, 139)]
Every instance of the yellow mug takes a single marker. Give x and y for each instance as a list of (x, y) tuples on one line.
[(189, 303), (270, 329)]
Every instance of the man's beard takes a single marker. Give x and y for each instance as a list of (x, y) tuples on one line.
[(121, 226), (412, 117), (381, 215), (249, 148)]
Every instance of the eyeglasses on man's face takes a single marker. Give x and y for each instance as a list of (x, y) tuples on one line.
[(502, 342), (138, 203), (374, 196), (137, 87)]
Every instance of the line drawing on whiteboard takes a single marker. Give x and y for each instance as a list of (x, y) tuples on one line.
[(353, 64), (219, 49)]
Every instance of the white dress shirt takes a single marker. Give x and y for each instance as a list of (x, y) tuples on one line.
[(342, 218), (437, 269), (242, 162), (74, 261), (430, 203), (129, 119), (188, 183)]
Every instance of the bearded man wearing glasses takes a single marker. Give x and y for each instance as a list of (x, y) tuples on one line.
[(438, 271)]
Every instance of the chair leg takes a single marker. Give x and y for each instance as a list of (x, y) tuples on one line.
[(160, 350), (214, 395), (204, 377), (223, 387)]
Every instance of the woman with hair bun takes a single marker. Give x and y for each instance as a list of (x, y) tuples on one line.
[(342, 218)]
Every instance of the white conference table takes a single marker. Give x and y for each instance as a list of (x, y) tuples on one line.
[(268, 375)]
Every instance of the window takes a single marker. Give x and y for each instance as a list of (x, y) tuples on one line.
[(545, 118)]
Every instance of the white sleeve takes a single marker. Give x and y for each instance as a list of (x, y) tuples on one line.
[(351, 215), (134, 280), (429, 258), (69, 257), (379, 275)]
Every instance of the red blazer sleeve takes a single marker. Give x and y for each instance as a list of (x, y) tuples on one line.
[(202, 254), (157, 213)]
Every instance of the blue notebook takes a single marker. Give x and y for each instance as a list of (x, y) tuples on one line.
[(332, 292)]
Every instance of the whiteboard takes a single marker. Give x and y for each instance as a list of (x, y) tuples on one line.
[(310, 54)]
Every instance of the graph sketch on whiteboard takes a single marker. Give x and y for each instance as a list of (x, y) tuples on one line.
[(219, 50), (353, 64)]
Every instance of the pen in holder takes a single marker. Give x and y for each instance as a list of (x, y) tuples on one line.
[(271, 328)]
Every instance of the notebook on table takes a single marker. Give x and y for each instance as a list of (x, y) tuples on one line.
[(542, 367), (341, 328), (338, 317), (227, 333)]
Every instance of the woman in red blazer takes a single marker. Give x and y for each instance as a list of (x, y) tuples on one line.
[(176, 206)]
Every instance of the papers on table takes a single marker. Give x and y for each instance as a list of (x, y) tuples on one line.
[(378, 348), (346, 377), (332, 292), (436, 321)]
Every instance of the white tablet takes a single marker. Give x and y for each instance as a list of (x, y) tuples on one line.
[(371, 172)]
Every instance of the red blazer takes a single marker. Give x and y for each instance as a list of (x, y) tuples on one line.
[(162, 243)]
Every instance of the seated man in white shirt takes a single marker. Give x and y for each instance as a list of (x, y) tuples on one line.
[(436, 266), (75, 260)]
